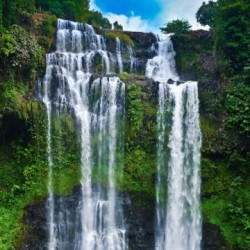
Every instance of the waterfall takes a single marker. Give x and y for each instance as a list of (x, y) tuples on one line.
[(50, 201), (178, 222), (132, 59), (118, 54), (94, 220)]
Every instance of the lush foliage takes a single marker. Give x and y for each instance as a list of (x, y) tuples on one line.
[(205, 14), (225, 117), (23, 166), (20, 54), (238, 107), (178, 27), (140, 138), (15, 11), (117, 26), (7, 43), (96, 19), (135, 111), (232, 35), (68, 9), (44, 29), (27, 53), (124, 38), (225, 196)]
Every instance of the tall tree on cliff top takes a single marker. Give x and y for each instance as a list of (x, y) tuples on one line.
[(178, 27), (205, 14)]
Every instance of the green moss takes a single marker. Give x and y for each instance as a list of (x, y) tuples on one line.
[(124, 38), (139, 172), (140, 138), (124, 76), (65, 180), (134, 107), (9, 222), (224, 198), (209, 135)]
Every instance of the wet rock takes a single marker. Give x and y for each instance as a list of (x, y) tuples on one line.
[(35, 229), (211, 237), (139, 219)]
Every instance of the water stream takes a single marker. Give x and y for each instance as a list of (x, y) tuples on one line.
[(178, 222), (96, 106)]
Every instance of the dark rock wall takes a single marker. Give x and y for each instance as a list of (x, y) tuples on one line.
[(139, 217)]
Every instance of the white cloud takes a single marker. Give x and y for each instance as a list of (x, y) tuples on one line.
[(93, 6), (179, 9), (170, 10), (133, 23)]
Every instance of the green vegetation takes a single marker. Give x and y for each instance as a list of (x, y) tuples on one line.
[(205, 14), (232, 36), (70, 9), (135, 111), (140, 153), (117, 26), (238, 107), (124, 38), (219, 59), (179, 27), (46, 34), (96, 19), (23, 166), (224, 202)]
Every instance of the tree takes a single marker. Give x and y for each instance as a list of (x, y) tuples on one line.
[(69, 9), (12, 11), (95, 18), (178, 27), (117, 26), (205, 14)]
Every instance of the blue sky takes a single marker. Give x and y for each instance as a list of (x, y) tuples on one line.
[(147, 15), (144, 8)]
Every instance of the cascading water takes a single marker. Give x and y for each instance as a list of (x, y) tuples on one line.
[(132, 59), (95, 223), (118, 54), (178, 222)]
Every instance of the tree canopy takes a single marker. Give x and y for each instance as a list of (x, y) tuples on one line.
[(178, 27), (205, 14)]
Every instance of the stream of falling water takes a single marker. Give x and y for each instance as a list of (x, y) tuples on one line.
[(178, 222), (96, 222)]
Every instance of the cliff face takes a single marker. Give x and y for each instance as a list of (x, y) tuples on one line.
[(194, 61)]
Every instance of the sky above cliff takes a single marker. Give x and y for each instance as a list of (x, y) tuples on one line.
[(147, 15)]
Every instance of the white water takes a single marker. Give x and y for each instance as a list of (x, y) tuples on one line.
[(178, 222), (118, 54), (96, 222), (132, 59), (50, 202)]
